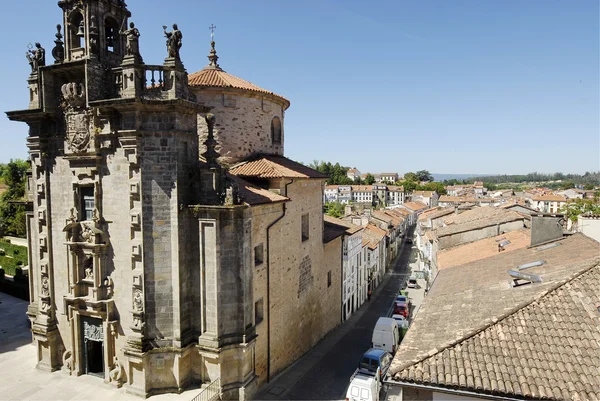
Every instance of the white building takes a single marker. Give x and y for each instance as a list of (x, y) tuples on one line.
[(548, 203)]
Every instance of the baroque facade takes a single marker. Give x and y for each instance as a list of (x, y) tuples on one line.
[(171, 242)]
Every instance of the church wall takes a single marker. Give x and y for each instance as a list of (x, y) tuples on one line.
[(299, 319), (162, 194), (262, 216), (243, 125)]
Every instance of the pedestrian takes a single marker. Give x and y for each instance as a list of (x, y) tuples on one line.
[(369, 295)]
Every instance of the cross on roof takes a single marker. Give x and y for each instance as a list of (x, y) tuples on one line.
[(212, 30)]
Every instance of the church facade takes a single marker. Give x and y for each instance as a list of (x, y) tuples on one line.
[(172, 244)]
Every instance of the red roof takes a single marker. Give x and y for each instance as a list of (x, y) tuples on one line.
[(215, 77), (274, 167)]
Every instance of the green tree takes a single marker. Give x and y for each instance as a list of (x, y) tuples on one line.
[(567, 185), (424, 175), (580, 206), (12, 213), (334, 209), (369, 179), (411, 177)]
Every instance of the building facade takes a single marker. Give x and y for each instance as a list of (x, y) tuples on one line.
[(153, 265)]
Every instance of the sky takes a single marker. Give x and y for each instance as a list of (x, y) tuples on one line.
[(478, 86)]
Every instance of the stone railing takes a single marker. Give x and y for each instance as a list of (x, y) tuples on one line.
[(149, 81), (154, 77), (211, 392)]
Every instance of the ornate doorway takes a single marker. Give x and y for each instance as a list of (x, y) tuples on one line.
[(93, 346)]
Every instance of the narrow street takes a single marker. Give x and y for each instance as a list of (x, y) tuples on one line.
[(324, 372)]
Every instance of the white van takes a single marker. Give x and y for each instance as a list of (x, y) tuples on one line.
[(386, 335), (364, 388)]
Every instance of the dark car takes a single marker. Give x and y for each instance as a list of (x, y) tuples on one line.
[(373, 359), (409, 241)]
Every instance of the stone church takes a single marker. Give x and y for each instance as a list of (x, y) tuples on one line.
[(172, 244)]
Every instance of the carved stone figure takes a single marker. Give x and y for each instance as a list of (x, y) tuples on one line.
[(138, 301), (92, 332), (132, 35), (116, 373), (88, 264), (45, 286), (67, 361), (173, 41), (37, 57)]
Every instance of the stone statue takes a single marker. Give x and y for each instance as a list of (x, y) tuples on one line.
[(132, 34), (37, 57), (173, 41), (138, 302)]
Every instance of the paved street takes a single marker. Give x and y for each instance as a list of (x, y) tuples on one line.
[(324, 373), (20, 380)]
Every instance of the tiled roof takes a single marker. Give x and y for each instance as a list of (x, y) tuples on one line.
[(482, 249), (426, 194), (395, 188), (535, 341), (253, 195), (372, 236), (332, 231), (274, 167), (440, 213), (415, 206), (212, 77), (477, 218), (350, 228), (550, 198)]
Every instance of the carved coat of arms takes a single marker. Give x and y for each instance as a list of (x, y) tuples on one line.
[(79, 129), (79, 120)]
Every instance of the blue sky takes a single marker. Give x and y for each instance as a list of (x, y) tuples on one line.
[(455, 86)]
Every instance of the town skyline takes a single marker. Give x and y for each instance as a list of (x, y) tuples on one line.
[(464, 84)]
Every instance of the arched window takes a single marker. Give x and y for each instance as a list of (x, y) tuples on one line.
[(77, 30), (276, 130), (111, 32)]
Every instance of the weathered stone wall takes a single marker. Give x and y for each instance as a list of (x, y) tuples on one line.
[(163, 189), (262, 217), (243, 124), (300, 304)]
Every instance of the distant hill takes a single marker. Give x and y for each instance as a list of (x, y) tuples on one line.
[(442, 177)]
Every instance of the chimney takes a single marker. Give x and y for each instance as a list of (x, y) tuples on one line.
[(546, 228)]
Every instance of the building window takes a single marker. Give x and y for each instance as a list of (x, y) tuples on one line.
[(258, 255), (258, 311), (329, 278), (87, 203), (305, 227), (276, 130)]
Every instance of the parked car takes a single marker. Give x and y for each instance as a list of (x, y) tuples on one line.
[(375, 361), (403, 299), (401, 309), (412, 282), (400, 321), (386, 335), (364, 387)]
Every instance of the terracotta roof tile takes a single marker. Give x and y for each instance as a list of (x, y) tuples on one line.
[(332, 231), (533, 341), (482, 249), (550, 198), (350, 228), (274, 167), (217, 78), (415, 206), (253, 195)]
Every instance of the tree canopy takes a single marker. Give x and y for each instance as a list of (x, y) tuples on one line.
[(12, 213), (337, 174)]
